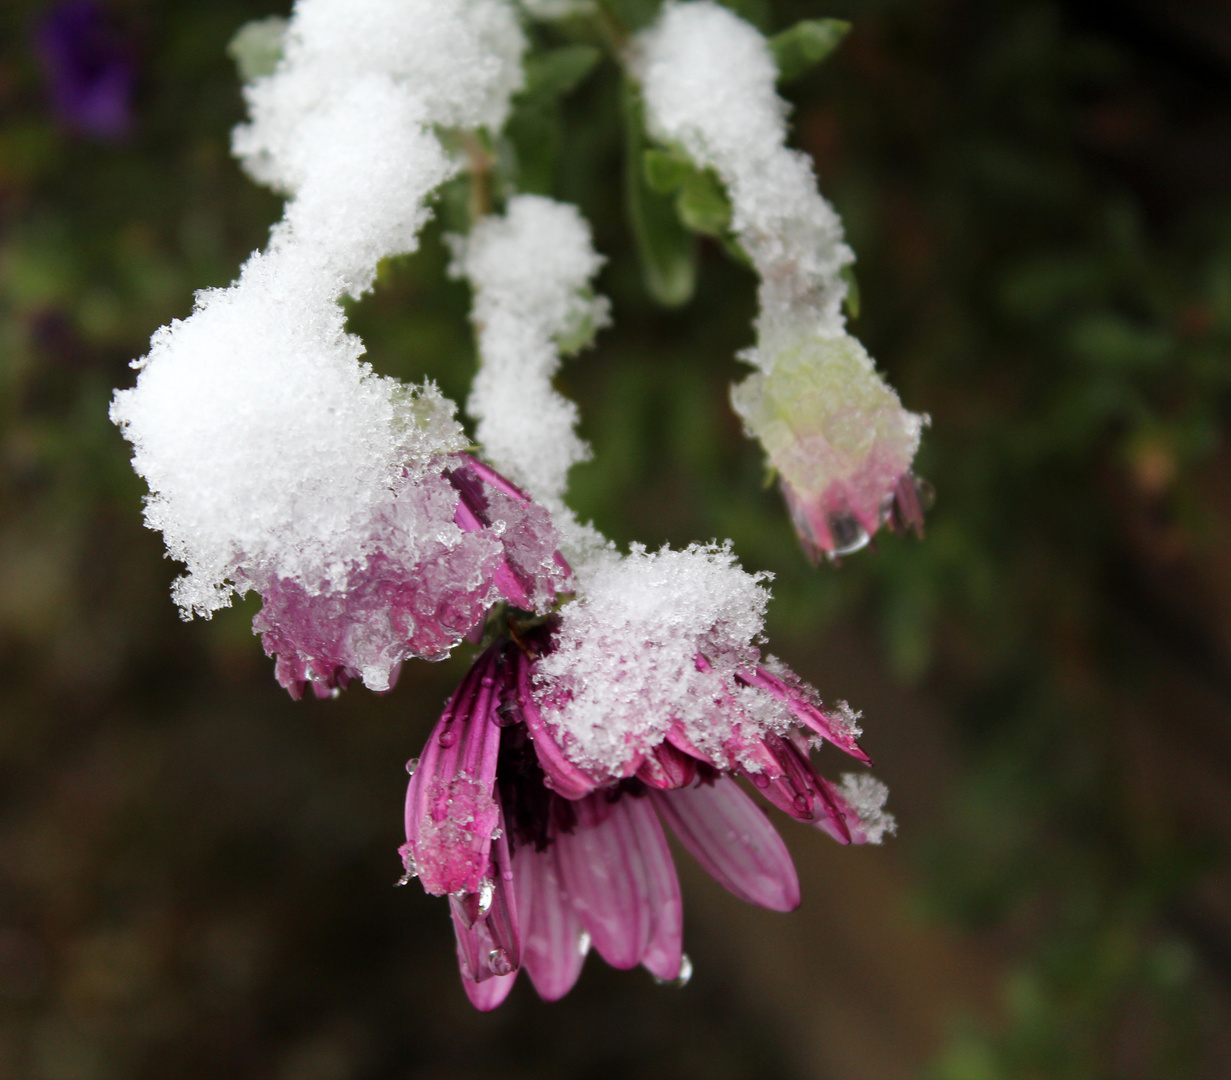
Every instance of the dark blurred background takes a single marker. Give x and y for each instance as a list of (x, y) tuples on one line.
[(196, 874)]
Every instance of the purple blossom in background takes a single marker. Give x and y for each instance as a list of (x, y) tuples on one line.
[(540, 859), (90, 69)]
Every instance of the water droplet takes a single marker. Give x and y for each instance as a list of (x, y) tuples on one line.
[(803, 804), (486, 891), (487, 680), (848, 535), (583, 943), (411, 766), (447, 738), (760, 780), (498, 961), (681, 980)]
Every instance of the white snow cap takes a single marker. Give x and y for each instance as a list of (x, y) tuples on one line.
[(709, 83), (267, 445), (270, 450), (531, 271), (458, 60), (624, 665)]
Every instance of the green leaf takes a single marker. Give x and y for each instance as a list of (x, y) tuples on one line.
[(703, 204), (256, 47), (667, 250), (847, 274), (806, 44), (666, 170), (559, 71)]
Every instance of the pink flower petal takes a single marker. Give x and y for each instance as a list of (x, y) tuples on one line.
[(795, 787), (802, 700), (619, 875), (666, 767), (562, 776), (551, 944), (486, 924), (730, 836), (451, 809), (490, 993)]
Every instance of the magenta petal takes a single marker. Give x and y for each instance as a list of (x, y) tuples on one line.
[(489, 476), (490, 993), (562, 776), (552, 952), (730, 836), (616, 872), (664, 954), (806, 708), (666, 767), (486, 926), (451, 808)]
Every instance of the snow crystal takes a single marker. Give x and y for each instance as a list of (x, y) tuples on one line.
[(460, 60), (625, 666), (531, 271), (866, 795)]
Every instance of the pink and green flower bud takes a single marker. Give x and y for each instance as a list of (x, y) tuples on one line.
[(839, 440)]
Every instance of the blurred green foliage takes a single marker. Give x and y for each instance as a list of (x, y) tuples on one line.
[(1038, 194)]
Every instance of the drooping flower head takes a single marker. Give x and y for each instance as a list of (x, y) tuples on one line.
[(544, 827), (834, 431)]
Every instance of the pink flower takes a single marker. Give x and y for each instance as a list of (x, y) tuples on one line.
[(829, 526), (540, 858), (480, 539)]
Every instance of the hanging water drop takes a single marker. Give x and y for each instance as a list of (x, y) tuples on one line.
[(447, 738), (486, 891), (583, 943), (681, 980), (848, 535), (411, 766), (498, 960)]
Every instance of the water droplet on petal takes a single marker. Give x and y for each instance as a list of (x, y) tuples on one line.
[(411, 766), (681, 980), (487, 680), (447, 738), (848, 535), (583, 943), (486, 892), (803, 804), (498, 961), (760, 780)]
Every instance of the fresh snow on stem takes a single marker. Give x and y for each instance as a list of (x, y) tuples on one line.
[(832, 428), (272, 452)]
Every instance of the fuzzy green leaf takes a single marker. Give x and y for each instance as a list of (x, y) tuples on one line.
[(806, 44)]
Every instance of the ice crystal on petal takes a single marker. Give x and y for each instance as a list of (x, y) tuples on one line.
[(866, 796), (623, 668)]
